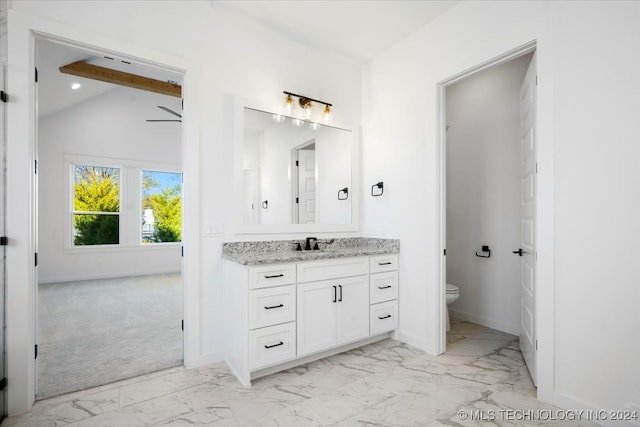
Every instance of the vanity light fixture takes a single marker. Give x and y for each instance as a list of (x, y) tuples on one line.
[(306, 106)]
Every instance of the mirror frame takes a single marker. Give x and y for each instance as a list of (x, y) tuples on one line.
[(238, 227)]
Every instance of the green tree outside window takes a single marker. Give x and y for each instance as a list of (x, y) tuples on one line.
[(161, 207), (96, 205)]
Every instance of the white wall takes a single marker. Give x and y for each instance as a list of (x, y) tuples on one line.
[(110, 127), (588, 180), (221, 55), (483, 195)]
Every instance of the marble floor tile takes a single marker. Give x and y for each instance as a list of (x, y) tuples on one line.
[(386, 383)]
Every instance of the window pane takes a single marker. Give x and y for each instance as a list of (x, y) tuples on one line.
[(96, 229), (161, 207), (96, 189)]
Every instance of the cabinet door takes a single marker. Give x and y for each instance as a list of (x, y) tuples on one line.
[(316, 316), (353, 309)]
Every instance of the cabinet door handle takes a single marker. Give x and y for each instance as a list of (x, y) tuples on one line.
[(274, 276), (340, 299), (335, 294), (273, 306), (384, 317), (273, 345), (384, 287), (384, 263)]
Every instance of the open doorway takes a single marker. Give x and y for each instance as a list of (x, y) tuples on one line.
[(109, 209), (304, 183), (489, 167)]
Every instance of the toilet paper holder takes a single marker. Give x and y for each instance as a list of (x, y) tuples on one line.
[(485, 249)]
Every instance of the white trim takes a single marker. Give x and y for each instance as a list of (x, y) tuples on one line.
[(66, 279), (23, 31), (485, 321)]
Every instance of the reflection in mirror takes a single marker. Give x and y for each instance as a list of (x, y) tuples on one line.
[(292, 174)]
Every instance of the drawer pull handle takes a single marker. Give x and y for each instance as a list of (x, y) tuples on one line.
[(335, 294), (273, 306), (384, 317), (340, 299), (273, 345), (384, 263), (384, 287), (274, 276)]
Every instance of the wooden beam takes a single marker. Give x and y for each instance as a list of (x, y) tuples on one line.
[(95, 72)]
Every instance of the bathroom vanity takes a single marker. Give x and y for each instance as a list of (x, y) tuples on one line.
[(286, 307)]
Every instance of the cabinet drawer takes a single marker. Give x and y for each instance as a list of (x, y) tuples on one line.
[(384, 317), (275, 344), (272, 275), (379, 263), (311, 271), (272, 306), (383, 287)]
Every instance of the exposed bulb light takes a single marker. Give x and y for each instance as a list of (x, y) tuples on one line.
[(75, 86), (303, 109), (326, 113), (288, 105)]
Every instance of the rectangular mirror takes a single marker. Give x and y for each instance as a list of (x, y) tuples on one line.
[(295, 175)]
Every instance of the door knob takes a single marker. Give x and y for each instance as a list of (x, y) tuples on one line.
[(519, 252)]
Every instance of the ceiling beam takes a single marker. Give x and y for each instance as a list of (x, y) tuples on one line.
[(95, 72)]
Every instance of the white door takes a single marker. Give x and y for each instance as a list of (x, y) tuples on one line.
[(353, 308), (316, 318), (527, 250), (306, 186)]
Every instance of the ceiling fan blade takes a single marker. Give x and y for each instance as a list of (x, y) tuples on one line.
[(169, 110), (164, 120)]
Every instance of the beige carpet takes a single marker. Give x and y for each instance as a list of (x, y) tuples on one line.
[(100, 331)]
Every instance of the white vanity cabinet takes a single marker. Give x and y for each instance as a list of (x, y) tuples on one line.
[(335, 311), (383, 291), (281, 315)]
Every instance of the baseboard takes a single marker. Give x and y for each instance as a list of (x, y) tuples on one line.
[(64, 279), (489, 323), (594, 414)]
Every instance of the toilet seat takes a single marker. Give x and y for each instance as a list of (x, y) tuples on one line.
[(452, 289)]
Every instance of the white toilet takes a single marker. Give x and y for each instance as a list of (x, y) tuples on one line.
[(453, 293)]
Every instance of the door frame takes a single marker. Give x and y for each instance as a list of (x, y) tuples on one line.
[(21, 140), (295, 183), (544, 209)]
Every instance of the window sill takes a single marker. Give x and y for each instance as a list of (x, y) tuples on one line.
[(155, 247)]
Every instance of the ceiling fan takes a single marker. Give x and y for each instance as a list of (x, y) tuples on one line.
[(170, 111)]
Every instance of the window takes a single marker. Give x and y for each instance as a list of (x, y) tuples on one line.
[(161, 207), (96, 205)]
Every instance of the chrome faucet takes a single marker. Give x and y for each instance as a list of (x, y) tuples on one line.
[(311, 240)]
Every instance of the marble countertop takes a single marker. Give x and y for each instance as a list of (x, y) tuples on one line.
[(276, 252)]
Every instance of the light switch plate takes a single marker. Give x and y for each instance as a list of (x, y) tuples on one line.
[(213, 229)]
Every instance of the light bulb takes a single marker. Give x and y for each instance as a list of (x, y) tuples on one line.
[(288, 105), (326, 113), (76, 86), (307, 111)]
